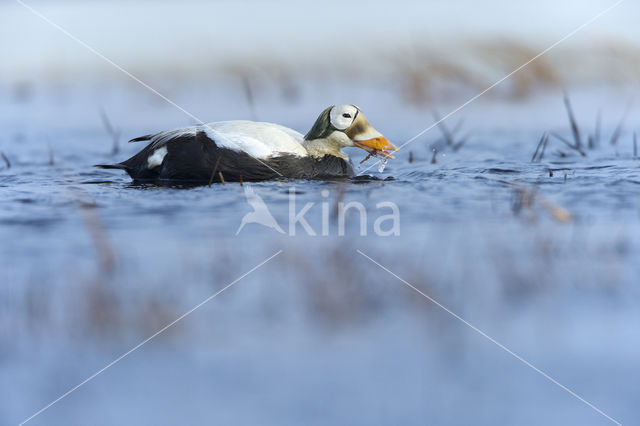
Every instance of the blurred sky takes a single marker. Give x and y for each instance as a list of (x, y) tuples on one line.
[(157, 35)]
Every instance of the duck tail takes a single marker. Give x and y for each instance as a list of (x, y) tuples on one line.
[(142, 138), (111, 166)]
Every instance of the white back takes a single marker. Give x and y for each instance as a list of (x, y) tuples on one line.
[(260, 140)]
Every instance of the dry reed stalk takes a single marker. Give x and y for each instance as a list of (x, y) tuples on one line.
[(213, 172), (618, 130), (574, 125), (111, 131), (569, 144), (248, 92), (98, 233), (6, 159)]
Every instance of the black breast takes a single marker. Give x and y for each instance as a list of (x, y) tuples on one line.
[(196, 159)]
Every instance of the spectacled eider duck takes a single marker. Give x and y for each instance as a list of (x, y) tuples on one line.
[(253, 151)]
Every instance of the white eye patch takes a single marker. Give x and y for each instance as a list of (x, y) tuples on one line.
[(342, 116)]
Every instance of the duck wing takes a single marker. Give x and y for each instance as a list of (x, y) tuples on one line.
[(259, 140), (158, 140)]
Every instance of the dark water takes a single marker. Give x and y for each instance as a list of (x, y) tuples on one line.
[(92, 264)]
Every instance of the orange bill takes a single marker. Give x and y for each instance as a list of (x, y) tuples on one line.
[(377, 144)]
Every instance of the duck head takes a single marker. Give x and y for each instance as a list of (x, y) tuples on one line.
[(342, 126)]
